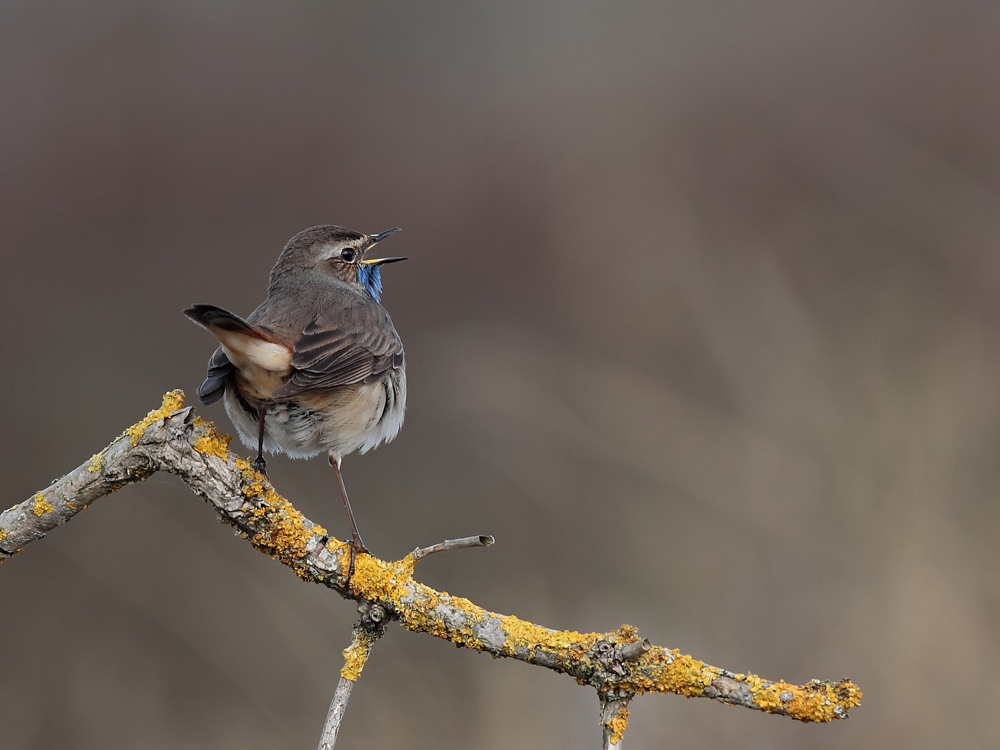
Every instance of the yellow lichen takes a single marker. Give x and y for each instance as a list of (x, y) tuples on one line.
[(355, 658), (3, 535), (41, 506), (815, 701), (429, 613), (420, 608), (379, 579), (628, 633), (618, 724), (284, 533), (670, 671), (213, 443), (172, 401), (253, 483), (523, 634), (96, 462)]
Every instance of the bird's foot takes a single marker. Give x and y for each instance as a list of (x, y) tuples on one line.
[(259, 465), (356, 546)]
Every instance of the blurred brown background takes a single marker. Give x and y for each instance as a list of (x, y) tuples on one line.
[(701, 323)]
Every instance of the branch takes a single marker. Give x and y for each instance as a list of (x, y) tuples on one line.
[(450, 544), (371, 626), (173, 439)]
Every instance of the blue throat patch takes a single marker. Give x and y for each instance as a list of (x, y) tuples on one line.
[(370, 277)]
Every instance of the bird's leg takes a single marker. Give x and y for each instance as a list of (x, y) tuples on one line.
[(259, 464), (356, 544)]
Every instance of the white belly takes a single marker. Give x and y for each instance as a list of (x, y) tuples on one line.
[(338, 422)]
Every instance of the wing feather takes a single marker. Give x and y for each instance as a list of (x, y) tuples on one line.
[(220, 369), (354, 348)]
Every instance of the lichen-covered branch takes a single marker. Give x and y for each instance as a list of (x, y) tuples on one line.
[(371, 626), (617, 663)]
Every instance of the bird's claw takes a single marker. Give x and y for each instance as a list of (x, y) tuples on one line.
[(356, 546)]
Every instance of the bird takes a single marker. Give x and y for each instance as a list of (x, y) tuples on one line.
[(318, 366)]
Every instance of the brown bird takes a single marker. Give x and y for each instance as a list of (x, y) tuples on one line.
[(318, 366)]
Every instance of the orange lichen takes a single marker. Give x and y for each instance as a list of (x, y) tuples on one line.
[(670, 671), (172, 401), (628, 633), (96, 462), (419, 606), (213, 443), (377, 579), (460, 631), (284, 532), (41, 505), (523, 634), (618, 724), (355, 657), (3, 535), (817, 701), (253, 482)]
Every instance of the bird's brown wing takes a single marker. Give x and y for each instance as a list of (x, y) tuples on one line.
[(343, 351)]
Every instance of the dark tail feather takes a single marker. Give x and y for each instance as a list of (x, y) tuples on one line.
[(216, 317), (220, 369)]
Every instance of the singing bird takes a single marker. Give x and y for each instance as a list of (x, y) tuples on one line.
[(318, 366)]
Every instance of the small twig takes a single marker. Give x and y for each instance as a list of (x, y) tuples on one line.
[(614, 719), (483, 540), (338, 705), (632, 651), (371, 626)]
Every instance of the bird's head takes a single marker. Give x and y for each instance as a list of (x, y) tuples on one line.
[(339, 252)]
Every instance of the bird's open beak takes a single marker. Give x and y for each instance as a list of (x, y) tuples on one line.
[(375, 239), (379, 236), (382, 261)]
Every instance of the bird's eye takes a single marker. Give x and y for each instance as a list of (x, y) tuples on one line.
[(347, 254)]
